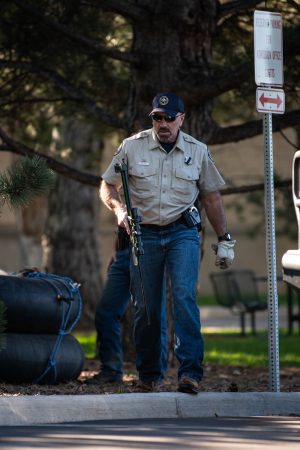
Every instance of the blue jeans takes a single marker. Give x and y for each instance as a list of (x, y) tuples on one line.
[(109, 312), (175, 249)]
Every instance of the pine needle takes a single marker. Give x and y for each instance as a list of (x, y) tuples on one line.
[(25, 180)]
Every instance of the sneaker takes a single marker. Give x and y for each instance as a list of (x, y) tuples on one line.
[(105, 378), (188, 385), (150, 386)]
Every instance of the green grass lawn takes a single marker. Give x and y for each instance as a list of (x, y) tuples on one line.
[(88, 342), (210, 300), (230, 348)]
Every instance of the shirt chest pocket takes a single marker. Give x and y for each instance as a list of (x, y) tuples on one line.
[(143, 177), (185, 180)]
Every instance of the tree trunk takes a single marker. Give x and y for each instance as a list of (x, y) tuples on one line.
[(175, 44), (31, 222), (71, 244)]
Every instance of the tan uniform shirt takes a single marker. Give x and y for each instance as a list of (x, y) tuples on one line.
[(163, 185)]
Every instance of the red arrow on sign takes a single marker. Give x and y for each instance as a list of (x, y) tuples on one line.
[(277, 101), (270, 100)]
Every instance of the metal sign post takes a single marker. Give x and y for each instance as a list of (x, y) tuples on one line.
[(274, 378), (269, 72)]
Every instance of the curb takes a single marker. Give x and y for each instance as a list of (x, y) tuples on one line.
[(45, 409)]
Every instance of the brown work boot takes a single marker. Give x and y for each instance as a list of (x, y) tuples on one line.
[(105, 378), (188, 385), (150, 386)]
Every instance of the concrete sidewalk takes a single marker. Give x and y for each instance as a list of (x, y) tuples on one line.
[(41, 409)]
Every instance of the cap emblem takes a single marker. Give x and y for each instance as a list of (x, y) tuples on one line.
[(163, 101)]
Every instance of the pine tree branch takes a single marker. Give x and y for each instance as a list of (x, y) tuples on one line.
[(279, 184), (127, 8), (73, 91), (85, 42), (294, 4), (237, 6), (253, 128), (217, 83), (23, 100), (59, 167), (24, 180)]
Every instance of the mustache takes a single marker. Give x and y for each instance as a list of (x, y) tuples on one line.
[(163, 129)]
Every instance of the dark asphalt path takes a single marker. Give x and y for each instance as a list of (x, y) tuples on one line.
[(177, 434)]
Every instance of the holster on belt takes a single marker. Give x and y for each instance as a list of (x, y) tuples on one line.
[(192, 218)]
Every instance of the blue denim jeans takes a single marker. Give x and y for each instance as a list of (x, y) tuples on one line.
[(111, 308), (175, 249)]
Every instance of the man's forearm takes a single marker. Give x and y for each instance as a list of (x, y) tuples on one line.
[(213, 204), (110, 196)]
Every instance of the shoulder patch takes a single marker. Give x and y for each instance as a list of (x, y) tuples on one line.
[(189, 138), (118, 150), (210, 155), (140, 135), (143, 134)]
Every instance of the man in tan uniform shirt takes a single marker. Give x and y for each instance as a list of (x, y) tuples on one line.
[(167, 170)]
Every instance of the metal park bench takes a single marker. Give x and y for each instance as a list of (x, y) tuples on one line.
[(238, 291)]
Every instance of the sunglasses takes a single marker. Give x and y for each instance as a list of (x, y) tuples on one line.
[(166, 118)]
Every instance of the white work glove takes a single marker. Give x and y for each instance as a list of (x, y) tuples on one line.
[(224, 252)]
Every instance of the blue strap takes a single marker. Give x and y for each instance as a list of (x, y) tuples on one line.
[(73, 291)]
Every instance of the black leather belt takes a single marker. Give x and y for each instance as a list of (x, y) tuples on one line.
[(153, 227)]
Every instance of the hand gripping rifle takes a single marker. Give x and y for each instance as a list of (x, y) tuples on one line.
[(134, 220)]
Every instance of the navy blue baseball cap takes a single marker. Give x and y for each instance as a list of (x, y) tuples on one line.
[(167, 102)]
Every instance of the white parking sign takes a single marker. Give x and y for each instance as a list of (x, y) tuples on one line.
[(268, 53)]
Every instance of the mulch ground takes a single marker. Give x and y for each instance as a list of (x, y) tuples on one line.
[(216, 379)]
